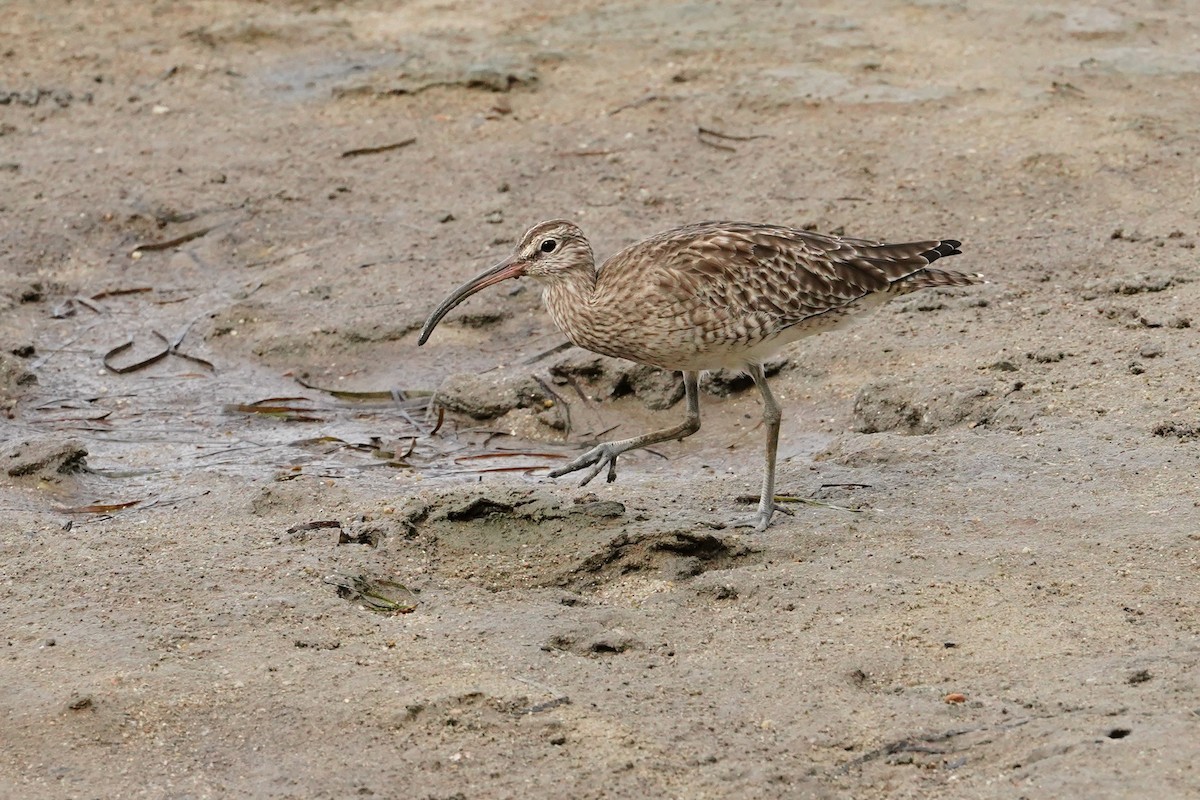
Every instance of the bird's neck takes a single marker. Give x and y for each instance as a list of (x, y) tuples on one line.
[(568, 298)]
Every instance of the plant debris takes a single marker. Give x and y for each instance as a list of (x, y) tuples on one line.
[(171, 349), (383, 148), (170, 244), (100, 508), (280, 407), (374, 594)]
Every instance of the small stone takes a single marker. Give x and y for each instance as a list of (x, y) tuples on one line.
[(1046, 356), (79, 702), (489, 395), (1152, 350)]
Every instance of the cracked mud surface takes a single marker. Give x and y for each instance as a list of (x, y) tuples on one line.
[(999, 597)]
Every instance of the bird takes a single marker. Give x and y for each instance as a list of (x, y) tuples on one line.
[(706, 296)]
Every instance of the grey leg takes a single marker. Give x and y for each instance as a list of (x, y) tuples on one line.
[(606, 454), (771, 417)]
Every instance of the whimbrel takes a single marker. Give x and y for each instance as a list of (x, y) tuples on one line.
[(705, 296)]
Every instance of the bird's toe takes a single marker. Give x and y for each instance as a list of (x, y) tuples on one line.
[(760, 521), (594, 461), (583, 462)]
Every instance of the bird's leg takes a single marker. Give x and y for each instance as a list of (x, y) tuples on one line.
[(606, 454), (771, 417)]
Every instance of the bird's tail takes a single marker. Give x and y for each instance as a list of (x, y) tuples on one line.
[(930, 277)]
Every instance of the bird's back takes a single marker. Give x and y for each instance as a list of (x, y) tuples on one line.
[(718, 294)]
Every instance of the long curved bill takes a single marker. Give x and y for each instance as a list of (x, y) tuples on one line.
[(508, 268)]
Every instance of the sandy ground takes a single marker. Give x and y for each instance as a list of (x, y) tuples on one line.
[(999, 600)]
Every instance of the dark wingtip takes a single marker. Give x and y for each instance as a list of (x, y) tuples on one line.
[(946, 247)]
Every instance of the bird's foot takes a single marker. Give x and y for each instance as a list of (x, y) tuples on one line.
[(597, 458), (761, 519)]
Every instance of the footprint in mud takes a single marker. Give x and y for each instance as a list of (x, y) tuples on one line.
[(673, 555), (524, 538), (535, 509), (594, 639), (507, 538), (488, 715), (482, 708)]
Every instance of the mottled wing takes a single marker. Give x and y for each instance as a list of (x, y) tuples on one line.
[(742, 282)]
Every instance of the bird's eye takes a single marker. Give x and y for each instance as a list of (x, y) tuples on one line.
[(548, 246)]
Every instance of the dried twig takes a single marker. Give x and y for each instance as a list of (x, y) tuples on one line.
[(395, 395), (100, 508), (383, 148), (507, 454), (574, 384), (169, 244), (171, 349), (277, 407), (717, 145), (641, 101), (121, 292), (703, 131), (525, 469), (440, 420)]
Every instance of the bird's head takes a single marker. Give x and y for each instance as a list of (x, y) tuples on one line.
[(546, 250)]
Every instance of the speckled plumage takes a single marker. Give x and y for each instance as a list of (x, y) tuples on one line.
[(724, 294), (708, 295)]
